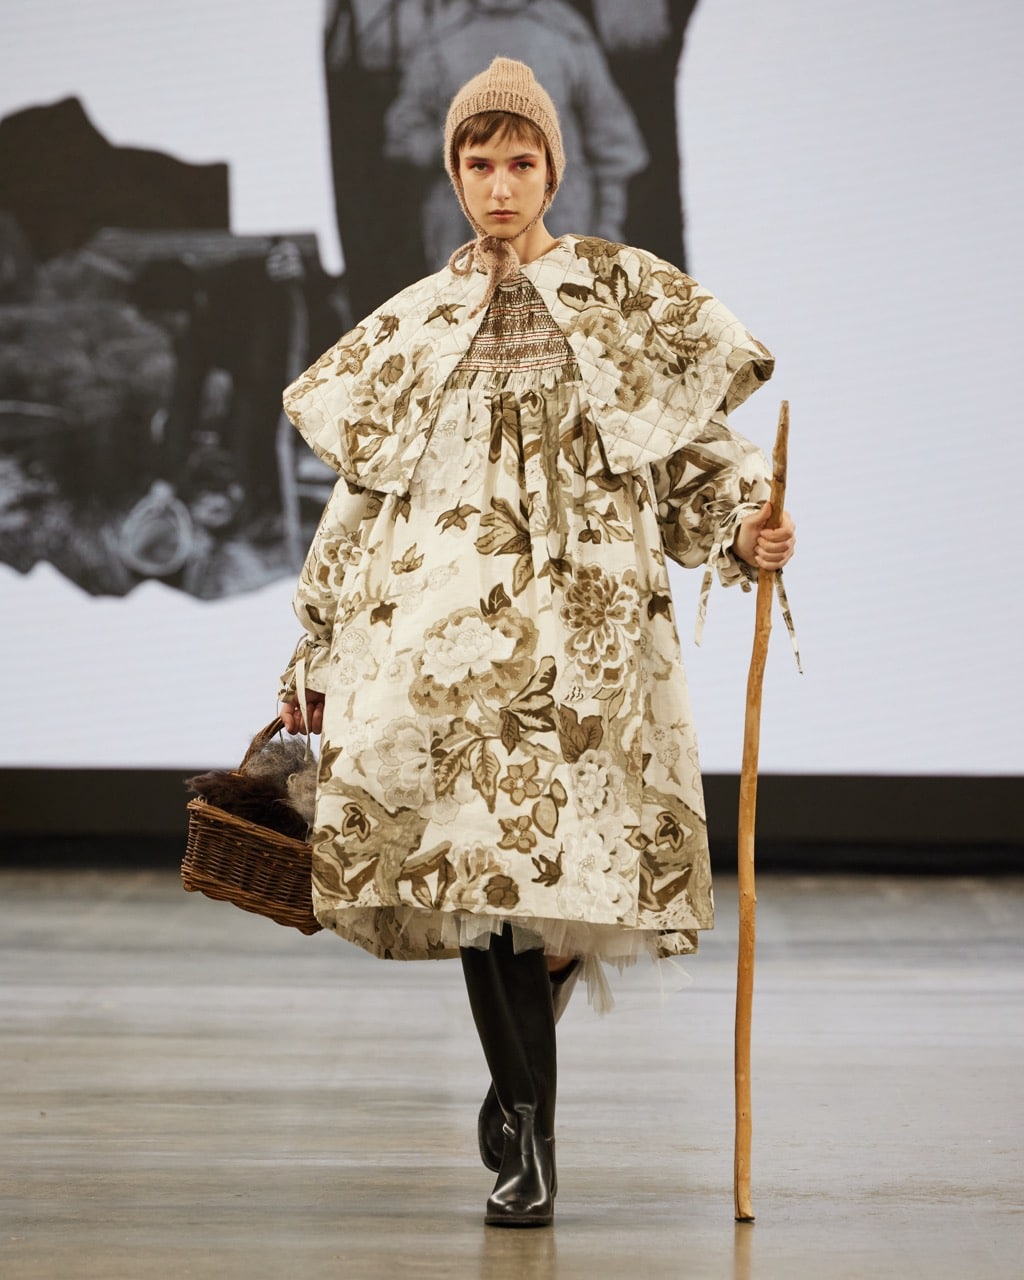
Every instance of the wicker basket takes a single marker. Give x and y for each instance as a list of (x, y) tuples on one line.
[(234, 860)]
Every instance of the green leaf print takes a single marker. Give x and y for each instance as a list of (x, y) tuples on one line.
[(391, 370), (484, 767), (329, 757), (409, 562), (533, 707), (446, 769), (511, 730), (446, 877), (559, 570), (668, 831), (446, 312), (618, 282), (576, 296), (545, 816), (401, 407), (508, 534), (388, 328), (356, 823), (659, 604), (577, 737), (495, 602), (550, 872), (371, 434), (456, 517), (382, 613), (638, 302), (504, 425), (522, 573)]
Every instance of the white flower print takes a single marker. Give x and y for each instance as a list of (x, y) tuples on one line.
[(406, 774), (412, 599), (665, 744), (353, 659), (395, 671), (404, 751), (358, 738), (537, 487), (656, 665), (464, 648), (595, 879), (452, 466), (597, 784), (337, 555), (476, 869)]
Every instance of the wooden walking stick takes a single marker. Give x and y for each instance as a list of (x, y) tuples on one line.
[(745, 841)]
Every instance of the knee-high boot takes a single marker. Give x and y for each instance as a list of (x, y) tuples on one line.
[(490, 1126), (510, 997)]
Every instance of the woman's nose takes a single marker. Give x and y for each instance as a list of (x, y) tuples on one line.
[(499, 187)]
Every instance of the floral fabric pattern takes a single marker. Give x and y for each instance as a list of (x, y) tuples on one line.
[(507, 731)]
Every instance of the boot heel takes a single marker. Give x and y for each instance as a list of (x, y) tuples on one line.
[(524, 1194)]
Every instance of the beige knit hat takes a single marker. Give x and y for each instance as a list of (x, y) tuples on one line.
[(506, 85), (510, 86)]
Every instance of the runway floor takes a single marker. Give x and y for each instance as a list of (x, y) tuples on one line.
[(190, 1091)]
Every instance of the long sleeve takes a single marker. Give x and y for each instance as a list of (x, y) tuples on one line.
[(613, 145), (337, 545), (703, 492), (414, 122)]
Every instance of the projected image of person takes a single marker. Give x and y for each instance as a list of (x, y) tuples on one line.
[(508, 770), (643, 44), (391, 66), (366, 44), (603, 145)]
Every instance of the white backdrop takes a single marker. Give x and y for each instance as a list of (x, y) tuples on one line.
[(853, 187)]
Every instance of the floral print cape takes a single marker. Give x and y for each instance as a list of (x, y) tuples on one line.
[(507, 732)]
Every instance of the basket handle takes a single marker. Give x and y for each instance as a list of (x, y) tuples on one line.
[(260, 741)]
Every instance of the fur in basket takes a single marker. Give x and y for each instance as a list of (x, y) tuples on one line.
[(276, 788)]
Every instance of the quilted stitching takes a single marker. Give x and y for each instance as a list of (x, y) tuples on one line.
[(367, 406)]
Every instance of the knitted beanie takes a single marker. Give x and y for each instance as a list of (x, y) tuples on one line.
[(510, 86), (506, 85)]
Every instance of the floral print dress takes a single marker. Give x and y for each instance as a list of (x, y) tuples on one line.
[(507, 731)]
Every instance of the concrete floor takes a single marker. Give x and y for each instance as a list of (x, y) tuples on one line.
[(190, 1091)]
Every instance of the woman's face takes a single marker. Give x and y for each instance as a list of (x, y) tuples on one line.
[(505, 182)]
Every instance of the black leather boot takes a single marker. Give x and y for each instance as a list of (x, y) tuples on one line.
[(490, 1125), (523, 1195), (510, 996)]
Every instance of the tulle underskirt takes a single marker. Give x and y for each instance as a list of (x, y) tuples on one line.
[(596, 945), (607, 942)]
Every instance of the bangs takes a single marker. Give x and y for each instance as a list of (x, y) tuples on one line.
[(487, 126)]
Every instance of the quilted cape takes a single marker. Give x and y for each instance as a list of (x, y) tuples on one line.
[(507, 732), (658, 356)]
